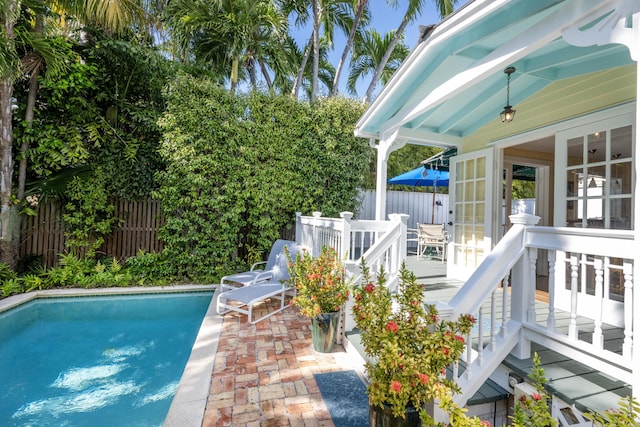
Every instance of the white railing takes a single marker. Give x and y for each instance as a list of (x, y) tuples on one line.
[(590, 287), (382, 244)]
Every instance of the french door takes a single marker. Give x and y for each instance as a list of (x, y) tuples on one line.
[(470, 212)]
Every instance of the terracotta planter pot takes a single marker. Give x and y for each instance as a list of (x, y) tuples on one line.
[(324, 329)]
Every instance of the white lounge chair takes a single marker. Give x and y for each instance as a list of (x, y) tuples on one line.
[(243, 299), (263, 271)]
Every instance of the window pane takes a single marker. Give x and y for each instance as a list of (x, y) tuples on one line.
[(597, 147), (574, 151), (621, 143)]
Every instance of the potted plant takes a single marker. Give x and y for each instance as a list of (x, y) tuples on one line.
[(409, 349), (321, 290)]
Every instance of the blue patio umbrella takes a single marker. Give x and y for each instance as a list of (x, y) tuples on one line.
[(423, 177)]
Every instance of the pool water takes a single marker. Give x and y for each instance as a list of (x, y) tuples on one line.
[(96, 361)]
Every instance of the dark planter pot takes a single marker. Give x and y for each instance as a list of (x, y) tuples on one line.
[(383, 417), (324, 328)]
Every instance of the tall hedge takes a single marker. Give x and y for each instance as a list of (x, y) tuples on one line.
[(240, 165)]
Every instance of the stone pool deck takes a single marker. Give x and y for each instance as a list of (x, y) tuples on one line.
[(263, 374)]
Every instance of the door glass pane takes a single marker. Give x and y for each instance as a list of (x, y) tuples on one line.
[(480, 193), (621, 178), (480, 167), (468, 193), (459, 191), (621, 213), (468, 213), (597, 146), (480, 213), (469, 170), (574, 151), (621, 143), (460, 171)]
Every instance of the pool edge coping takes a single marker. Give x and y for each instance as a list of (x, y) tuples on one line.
[(189, 402)]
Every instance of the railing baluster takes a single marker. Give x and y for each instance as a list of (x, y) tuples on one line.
[(480, 336), (573, 326), (551, 318), (505, 302), (597, 338), (492, 341), (531, 310), (467, 372), (627, 345)]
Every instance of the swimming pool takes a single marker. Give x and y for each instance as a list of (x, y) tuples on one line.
[(107, 360)]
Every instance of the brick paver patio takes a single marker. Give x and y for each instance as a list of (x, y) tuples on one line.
[(263, 374)]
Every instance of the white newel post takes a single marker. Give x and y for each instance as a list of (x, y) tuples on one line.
[(399, 248), (345, 235), (521, 286)]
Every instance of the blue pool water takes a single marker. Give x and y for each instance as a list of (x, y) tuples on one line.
[(96, 361)]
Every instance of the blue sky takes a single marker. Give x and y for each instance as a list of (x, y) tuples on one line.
[(384, 20)]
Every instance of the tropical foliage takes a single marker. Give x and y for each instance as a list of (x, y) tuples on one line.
[(240, 166), (409, 347)]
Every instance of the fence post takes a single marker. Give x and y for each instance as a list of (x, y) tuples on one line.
[(345, 235), (298, 237), (317, 245)]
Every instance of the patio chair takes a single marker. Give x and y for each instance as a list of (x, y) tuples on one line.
[(432, 237), (243, 299), (263, 271)]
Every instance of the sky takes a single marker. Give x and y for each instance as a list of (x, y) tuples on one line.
[(384, 19)]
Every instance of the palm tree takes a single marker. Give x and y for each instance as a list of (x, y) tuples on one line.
[(361, 17), (112, 15), (327, 16), (230, 35), (369, 52), (414, 7)]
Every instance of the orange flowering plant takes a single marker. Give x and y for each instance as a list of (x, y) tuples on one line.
[(321, 283), (409, 347)]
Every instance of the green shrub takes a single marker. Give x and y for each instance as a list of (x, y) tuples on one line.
[(239, 166), (12, 287)]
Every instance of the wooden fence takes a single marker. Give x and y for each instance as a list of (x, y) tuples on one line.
[(43, 235)]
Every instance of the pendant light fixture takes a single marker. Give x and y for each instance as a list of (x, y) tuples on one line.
[(508, 113)]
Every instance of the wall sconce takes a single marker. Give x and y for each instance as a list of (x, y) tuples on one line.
[(508, 113)]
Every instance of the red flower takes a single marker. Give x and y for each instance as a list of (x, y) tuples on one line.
[(358, 297), (396, 386), (445, 351), (369, 287), (424, 378), (486, 423), (459, 338), (392, 327), (536, 396)]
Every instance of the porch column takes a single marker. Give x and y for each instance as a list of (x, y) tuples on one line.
[(385, 147)]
